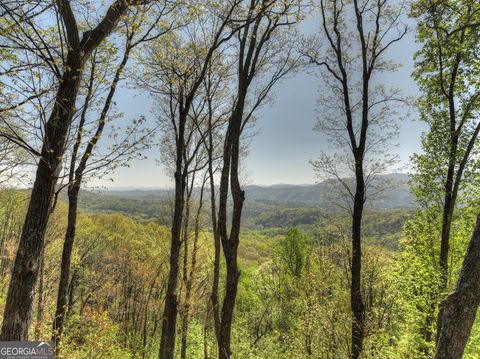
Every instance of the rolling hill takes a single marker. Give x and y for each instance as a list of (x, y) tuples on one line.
[(320, 195)]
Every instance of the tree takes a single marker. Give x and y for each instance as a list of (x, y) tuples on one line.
[(189, 274), (460, 307), (265, 55), (175, 75), (357, 114), (76, 49), (447, 74), (218, 105), (292, 252), (83, 163)]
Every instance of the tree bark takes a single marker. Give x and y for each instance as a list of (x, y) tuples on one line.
[(451, 189), (460, 307), (185, 306), (190, 277), (358, 322), (169, 322), (62, 297), (216, 238), (230, 242), (231, 288), (167, 342), (71, 295), (145, 315)]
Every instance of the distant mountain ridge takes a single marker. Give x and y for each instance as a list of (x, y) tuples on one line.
[(399, 196)]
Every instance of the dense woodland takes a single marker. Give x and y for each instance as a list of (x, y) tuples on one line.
[(365, 264)]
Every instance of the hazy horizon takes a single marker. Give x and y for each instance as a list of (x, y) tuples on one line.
[(168, 187), (285, 141)]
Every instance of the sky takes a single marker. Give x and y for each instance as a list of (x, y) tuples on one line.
[(286, 142)]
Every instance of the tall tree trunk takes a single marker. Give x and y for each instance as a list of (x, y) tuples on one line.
[(169, 322), (183, 312), (461, 305), (448, 208), (358, 325), (231, 288), (190, 278), (71, 295), (62, 296), (230, 242), (167, 342), (216, 238), (145, 315), (21, 291), (205, 330)]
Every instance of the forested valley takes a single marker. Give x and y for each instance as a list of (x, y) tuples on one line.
[(377, 259)]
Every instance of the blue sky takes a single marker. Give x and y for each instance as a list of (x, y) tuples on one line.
[(286, 142)]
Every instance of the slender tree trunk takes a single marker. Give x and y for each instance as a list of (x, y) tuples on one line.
[(145, 316), (71, 295), (167, 343), (448, 207), (185, 308), (445, 238), (230, 243), (190, 278), (231, 288), (62, 296), (450, 196), (184, 326), (461, 305), (205, 330), (169, 322), (358, 325), (216, 238)]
